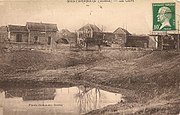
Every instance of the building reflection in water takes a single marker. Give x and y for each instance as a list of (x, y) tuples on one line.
[(32, 94), (88, 99), (47, 101)]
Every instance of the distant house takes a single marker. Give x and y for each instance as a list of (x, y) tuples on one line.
[(120, 36), (137, 41), (32, 35), (66, 37), (41, 33), (90, 33), (17, 34)]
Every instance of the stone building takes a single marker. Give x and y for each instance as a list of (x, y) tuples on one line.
[(17, 34), (89, 34), (41, 33), (120, 36), (32, 35)]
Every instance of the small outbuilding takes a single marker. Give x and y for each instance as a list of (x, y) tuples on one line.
[(137, 41)]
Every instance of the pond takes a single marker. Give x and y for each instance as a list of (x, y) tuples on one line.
[(73, 100)]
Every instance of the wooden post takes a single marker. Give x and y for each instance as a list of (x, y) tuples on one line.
[(29, 36), (178, 38), (162, 37)]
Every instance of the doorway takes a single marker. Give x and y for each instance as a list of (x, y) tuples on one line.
[(18, 37), (35, 39), (49, 40)]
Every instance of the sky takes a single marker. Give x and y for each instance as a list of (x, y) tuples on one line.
[(135, 16)]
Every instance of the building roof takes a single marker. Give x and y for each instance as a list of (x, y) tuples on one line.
[(60, 35), (66, 34), (138, 37), (92, 27), (3, 29), (72, 35), (41, 27), (65, 31), (121, 31), (108, 33), (17, 28)]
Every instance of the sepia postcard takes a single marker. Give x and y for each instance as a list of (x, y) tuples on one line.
[(89, 57)]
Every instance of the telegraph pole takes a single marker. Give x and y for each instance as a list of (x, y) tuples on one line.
[(178, 38)]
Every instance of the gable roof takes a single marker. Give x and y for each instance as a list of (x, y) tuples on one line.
[(69, 37), (121, 31), (42, 27), (92, 27), (140, 37), (17, 28), (65, 31), (72, 35)]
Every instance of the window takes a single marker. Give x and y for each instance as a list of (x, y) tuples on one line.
[(18, 37), (35, 39)]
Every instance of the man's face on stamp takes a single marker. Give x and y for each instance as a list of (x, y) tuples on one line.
[(163, 17)]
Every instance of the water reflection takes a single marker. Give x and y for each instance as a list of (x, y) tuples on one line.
[(32, 94), (55, 101), (87, 98)]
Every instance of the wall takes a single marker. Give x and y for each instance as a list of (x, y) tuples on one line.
[(3, 36), (42, 37), (42, 41), (81, 35), (108, 38), (13, 36), (120, 39), (137, 41), (153, 42)]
